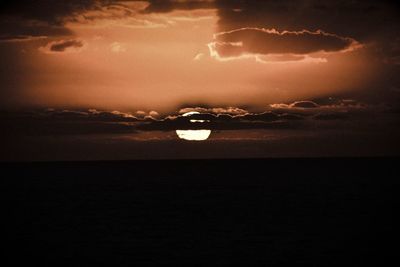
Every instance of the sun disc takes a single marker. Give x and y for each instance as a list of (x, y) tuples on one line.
[(193, 135)]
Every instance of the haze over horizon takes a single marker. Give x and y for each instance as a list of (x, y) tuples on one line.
[(295, 71), (165, 55)]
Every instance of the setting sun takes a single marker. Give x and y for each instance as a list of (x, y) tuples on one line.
[(193, 135)]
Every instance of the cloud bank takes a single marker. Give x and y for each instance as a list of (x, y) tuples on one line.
[(300, 115), (259, 41)]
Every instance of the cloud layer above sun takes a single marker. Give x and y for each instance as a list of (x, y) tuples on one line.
[(162, 55), (297, 116), (260, 42)]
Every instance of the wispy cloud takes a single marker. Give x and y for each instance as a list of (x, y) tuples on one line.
[(63, 46)]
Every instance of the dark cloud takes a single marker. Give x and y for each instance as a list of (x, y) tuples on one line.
[(41, 17), (357, 19), (64, 122), (375, 24), (214, 110), (328, 109), (264, 41), (49, 11), (31, 18), (71, 115), (71, 45), (47, 17), (265, 117), (89, 115), (304, 104), (63, 45), (321, 104), (17, 29), (290, 117), (331, 116), (59, 122), (163, 6), (365, 21), (264, 120), (20, 38)]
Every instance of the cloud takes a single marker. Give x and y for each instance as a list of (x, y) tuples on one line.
[(324, 108), (331, 116), (304, 104), (14, 29), (143, 115), (223, 121), (20, 38), (62, 46), (66, 46), (154, 114), (297, 104), (111, 116), (164, 6), (50, 18), (356, 19), (67, 122), (48, 11), (88, 115), (264, 116), (198, 57), (93, 121), (246, 42), (117, 47), (41, 17), (127, 14), (217, 110)]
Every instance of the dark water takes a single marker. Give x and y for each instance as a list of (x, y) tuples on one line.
[(311, 212), (232, 145)]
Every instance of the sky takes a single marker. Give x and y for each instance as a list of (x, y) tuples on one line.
[(160, 55), (117, 66)]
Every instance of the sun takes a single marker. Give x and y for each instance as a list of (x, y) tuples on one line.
[(193, 135)]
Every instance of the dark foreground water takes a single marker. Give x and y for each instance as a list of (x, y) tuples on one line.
[(311, 212)]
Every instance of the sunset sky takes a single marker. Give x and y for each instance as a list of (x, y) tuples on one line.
[(159, 58), (160, 55)]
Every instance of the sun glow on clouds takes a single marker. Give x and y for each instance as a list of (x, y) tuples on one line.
[(272, 46), (121, 57), (118, 47), (193, 135)]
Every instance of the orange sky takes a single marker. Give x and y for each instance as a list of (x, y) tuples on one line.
[(162, 61)]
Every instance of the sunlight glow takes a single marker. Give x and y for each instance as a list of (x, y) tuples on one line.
[(193, 135)]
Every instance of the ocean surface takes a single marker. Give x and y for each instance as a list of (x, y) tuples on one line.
[(226, 144), (297, 212)]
